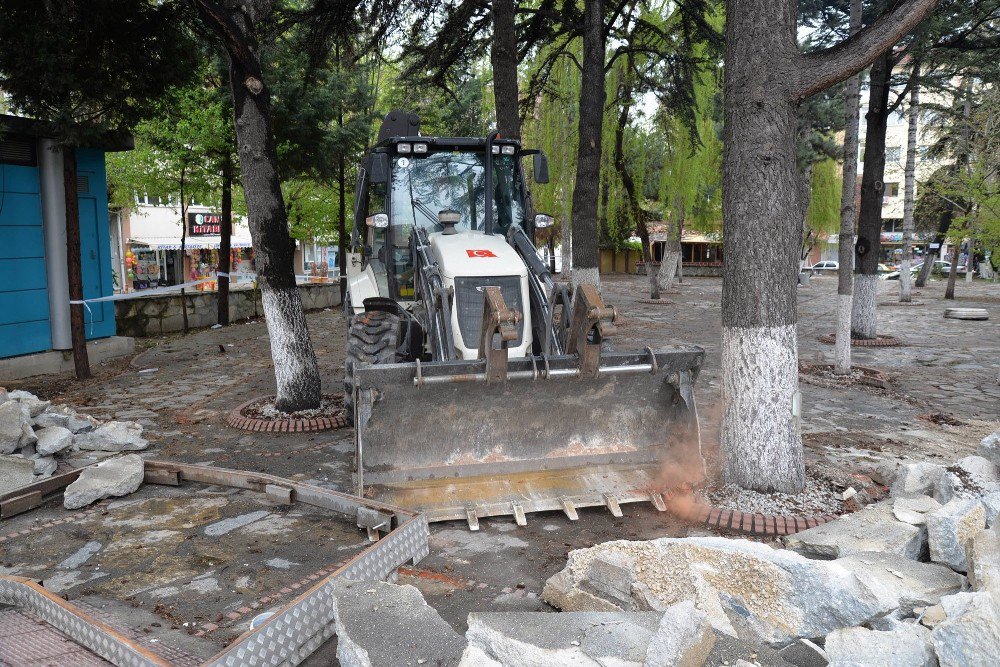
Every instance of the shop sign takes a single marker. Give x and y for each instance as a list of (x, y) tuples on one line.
[(203, 224)]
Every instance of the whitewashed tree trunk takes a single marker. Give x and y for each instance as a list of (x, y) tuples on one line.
[(762, 408), (909, 195), (585, 276), (848, 213), (864, 310), (668, 269), (296, 370), (970, 262)]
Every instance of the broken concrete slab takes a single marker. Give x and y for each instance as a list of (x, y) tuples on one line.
[(381, 624), (984, 561), (569, 638), (684, 638), (15, 472), (35, 405), (950, 529), (874, 528), (113, 436), (916, 479), (991, 504), (53, 439), (13, 418), (45, 465), (908, 644), (54, 415), (779, 594), (971, 477), (904, 583), (970, 634), (912, 509), (989, 448), (115, 477)]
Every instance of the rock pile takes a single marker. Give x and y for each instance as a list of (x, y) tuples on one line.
[(912, 580), (39, 432)]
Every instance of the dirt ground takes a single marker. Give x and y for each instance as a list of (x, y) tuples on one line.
[(943, 396)]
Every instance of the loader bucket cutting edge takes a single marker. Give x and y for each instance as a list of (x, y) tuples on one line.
[(432, 438)]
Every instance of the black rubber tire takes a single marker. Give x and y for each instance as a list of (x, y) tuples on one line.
[(372, 338)]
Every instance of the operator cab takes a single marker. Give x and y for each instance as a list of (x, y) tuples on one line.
[(428, 176)]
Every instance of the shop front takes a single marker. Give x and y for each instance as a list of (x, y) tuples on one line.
[(153, 253)]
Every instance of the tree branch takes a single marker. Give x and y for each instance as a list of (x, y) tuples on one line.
[(821, 69)]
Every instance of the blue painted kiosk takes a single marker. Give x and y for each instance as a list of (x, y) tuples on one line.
[(34, 293)]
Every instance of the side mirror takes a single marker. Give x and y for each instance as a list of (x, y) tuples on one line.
[(379, 171), (378, 221), (540, 165), (543, 220)]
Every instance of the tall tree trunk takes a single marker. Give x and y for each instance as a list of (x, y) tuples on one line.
[(342, 229), (869, 248), (670, 261), (295, 367), (805, 192), (586, 253), (225, 241), (848, 213), (628, 183), (766, 76), (566, 225), (949, 292), (761, 241), (184, 277), (909, 194), (74, 268), (944, 224), (503, 58)]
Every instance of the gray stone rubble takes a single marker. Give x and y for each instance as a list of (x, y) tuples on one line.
[(950, 529), (43, 433)]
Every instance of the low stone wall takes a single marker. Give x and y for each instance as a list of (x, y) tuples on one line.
[(157, 315), (696, 270)]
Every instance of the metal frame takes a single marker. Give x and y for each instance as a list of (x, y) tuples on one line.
[(296, 629)]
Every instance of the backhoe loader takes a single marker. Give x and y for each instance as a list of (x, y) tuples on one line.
[(480, 386)]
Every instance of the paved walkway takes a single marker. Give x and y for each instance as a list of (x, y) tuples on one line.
[(946, 366)]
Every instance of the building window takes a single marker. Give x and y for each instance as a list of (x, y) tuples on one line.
[(891, 190), (893, 154)]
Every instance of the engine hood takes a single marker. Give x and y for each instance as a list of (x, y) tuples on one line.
[(475, 254)]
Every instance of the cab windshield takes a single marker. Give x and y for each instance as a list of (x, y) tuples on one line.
[(423, 186)]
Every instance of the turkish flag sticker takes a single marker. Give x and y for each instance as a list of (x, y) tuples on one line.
[(480, 253)]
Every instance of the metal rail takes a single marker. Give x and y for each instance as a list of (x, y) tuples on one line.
[(297, 629)]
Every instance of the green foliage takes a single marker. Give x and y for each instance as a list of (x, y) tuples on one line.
[(823, 216), (91, 67), (454, 111), (178, 151), (691, 178)]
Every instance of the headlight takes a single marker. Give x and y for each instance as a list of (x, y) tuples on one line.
[(404, 149), (420, 148), (507, 150)]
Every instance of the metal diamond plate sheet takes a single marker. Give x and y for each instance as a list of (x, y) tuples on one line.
[(287, 638)]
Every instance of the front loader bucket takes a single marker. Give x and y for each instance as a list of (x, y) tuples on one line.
[(438, 438)]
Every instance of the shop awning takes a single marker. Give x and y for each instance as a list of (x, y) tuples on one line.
[(192, 243)]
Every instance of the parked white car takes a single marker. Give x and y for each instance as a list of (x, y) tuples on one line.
[(824, 266)]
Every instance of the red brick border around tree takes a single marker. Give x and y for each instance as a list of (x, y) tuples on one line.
[(879, 341), (762, 525), (237, 419)]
